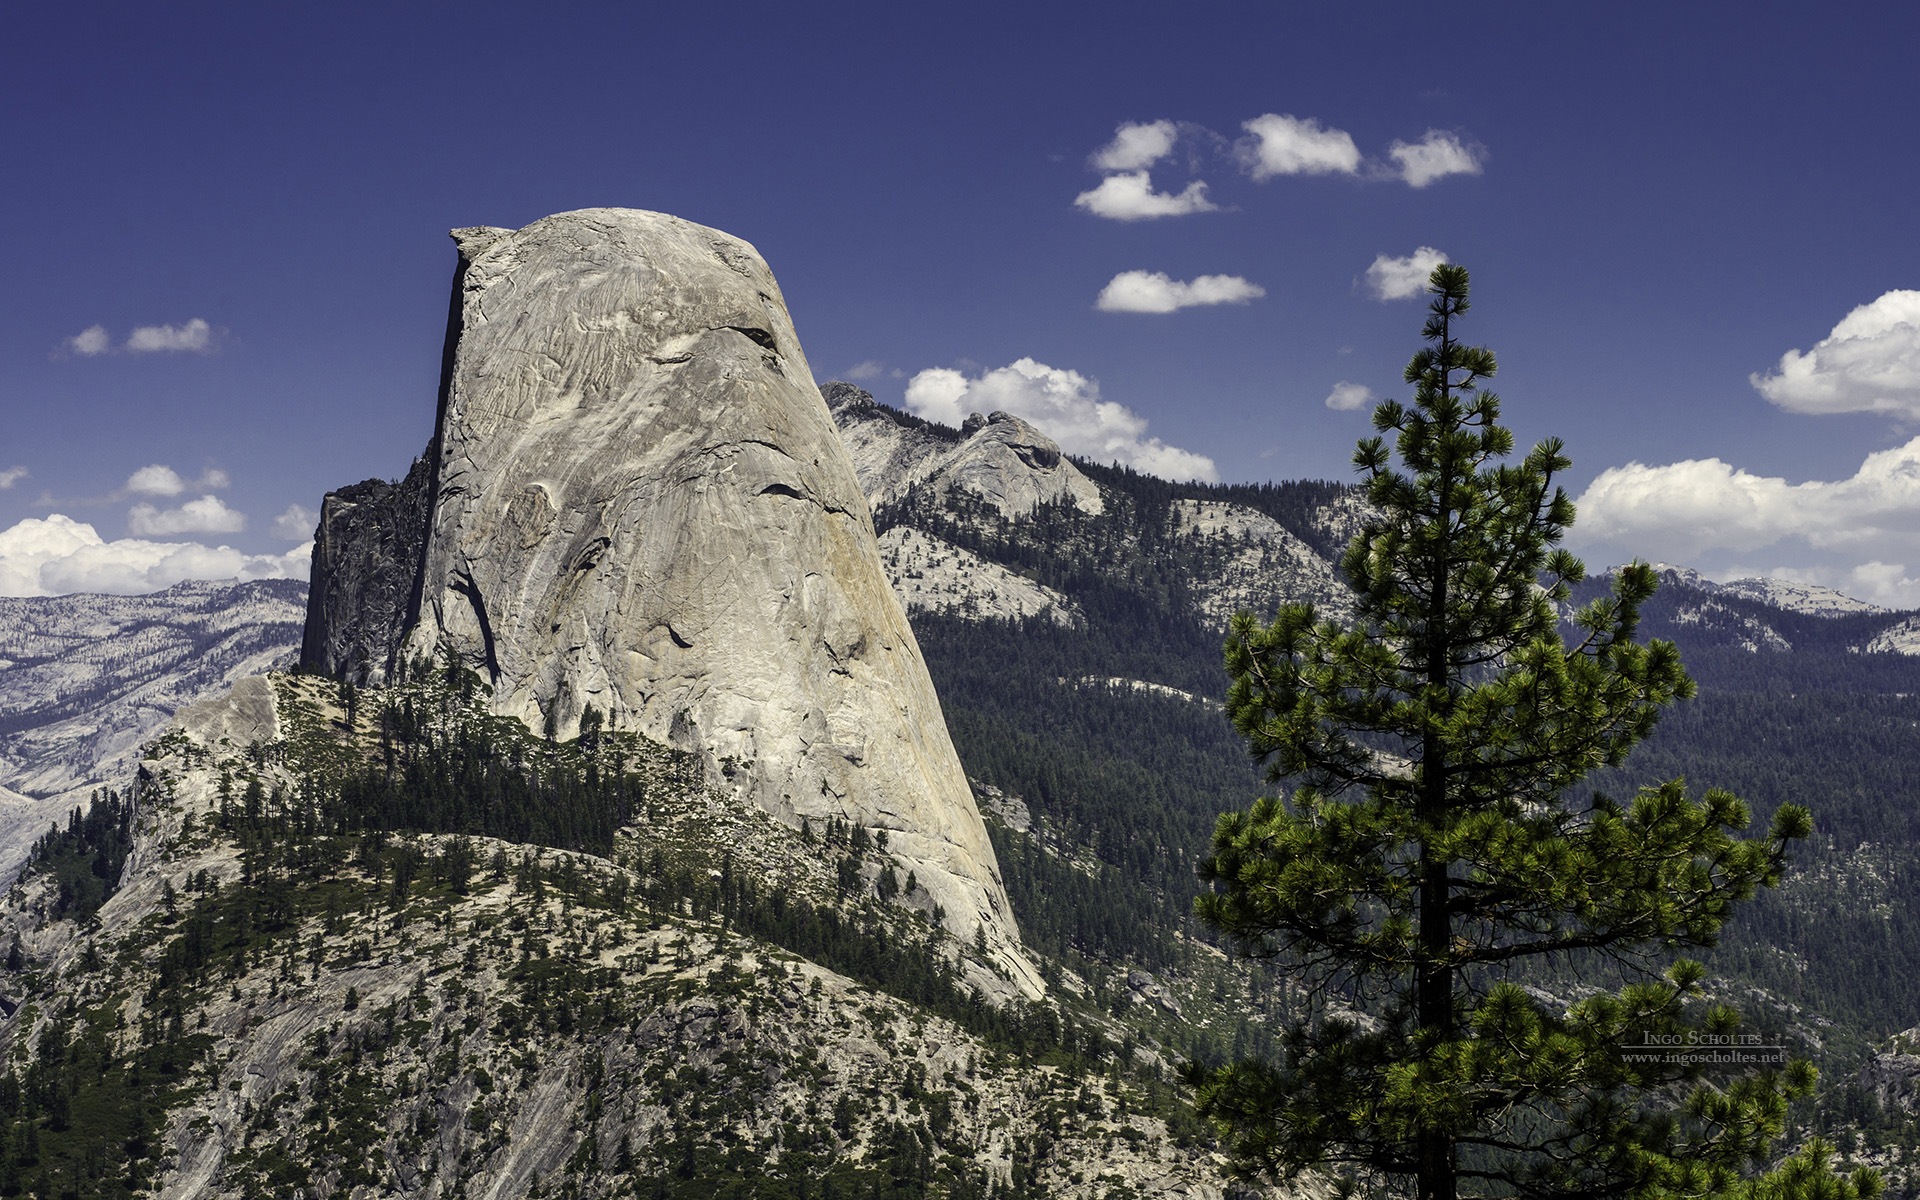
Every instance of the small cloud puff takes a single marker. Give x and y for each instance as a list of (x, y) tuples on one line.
[(1065, 405), (1129, 196), (89, 342), (1156, 292), (296, 524), (1392, 278), (1869, 363), (158, 479), (1282, 144), (1345, 397), (871, 368), (1435, 156), (205, 515), (11, 476), (195, 336), (1136, 147), (59, 555)]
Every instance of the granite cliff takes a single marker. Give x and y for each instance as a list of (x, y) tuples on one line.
[(637, 504)]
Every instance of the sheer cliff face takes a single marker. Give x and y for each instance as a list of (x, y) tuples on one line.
[(366, 554), (642, 505)]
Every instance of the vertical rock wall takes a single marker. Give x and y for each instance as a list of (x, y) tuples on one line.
[(640, 503), (366, 560)]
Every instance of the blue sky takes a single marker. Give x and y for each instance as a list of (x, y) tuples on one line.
[(228, 263)]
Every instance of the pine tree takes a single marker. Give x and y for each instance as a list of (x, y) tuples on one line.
[(1438, 866)]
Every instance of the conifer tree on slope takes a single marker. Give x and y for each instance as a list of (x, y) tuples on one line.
[(1434, 852)]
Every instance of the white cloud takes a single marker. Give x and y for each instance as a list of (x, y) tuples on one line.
[(1130, 197), (1065, 405), (1155, 292), (59, 555), (1869, 363), (1280, 144), (205, 515), (1435, 156), (868, 369), (158, 479), (91, 341), (1345, 397), (1684, 509), (1137, 146), (196, 335), (1887, 584), (11, 476), (1392, 278), (296, 524)]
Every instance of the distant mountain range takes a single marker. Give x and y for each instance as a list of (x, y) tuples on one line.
[(85, 680)]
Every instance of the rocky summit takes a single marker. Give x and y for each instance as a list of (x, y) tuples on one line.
[(998, 460), (639, 505)]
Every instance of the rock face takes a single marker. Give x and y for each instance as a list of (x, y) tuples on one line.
[(366, 558), (1892, 1073), (998, 459), (640, 503)]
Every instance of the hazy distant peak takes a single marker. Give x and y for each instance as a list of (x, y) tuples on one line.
[(1810, 599)]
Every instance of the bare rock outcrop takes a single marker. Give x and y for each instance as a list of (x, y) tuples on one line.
[(932, 575), (1262, 563), (640, 504)]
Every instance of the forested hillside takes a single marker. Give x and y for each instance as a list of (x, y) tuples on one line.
[(381, 939), (1125, 783)]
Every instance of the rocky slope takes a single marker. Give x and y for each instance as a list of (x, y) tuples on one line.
[(999, 460), (1901, 637), (269, 1005), (1756, 612), (1808, 598), (931, 575), (1006, 490), (1258, 552)]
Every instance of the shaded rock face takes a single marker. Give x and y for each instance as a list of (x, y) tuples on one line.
[(999, 459), (366, 558), (640, 503)]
